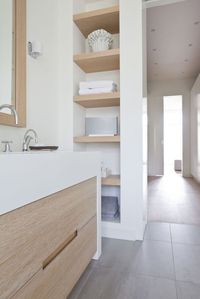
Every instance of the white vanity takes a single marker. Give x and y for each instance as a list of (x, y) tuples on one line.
[(50, 222)]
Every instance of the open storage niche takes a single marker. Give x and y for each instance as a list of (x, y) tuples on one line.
[(88, 66)]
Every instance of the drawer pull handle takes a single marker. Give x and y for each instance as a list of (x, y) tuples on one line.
[(53, 255)]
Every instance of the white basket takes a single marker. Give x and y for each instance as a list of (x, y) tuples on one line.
[(100, 40)]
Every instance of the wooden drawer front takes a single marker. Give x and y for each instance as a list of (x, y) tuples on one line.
[(59, 277), (30, 234)]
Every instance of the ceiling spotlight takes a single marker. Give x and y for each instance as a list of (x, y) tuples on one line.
[(197, 23)]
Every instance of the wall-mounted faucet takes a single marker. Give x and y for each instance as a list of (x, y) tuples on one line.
[(28, 138), (12, 109)]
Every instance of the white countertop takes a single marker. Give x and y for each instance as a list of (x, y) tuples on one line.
[(27, 177)]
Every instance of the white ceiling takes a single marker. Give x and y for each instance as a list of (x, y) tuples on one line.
[(173, 40)]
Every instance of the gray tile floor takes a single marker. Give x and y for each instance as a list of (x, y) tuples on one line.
[(174, 199), (165, 266)]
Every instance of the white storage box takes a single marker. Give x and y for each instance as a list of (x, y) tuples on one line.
[(99, 126)]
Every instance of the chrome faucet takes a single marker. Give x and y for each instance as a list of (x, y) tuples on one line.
[(13, 111), (28, 138)]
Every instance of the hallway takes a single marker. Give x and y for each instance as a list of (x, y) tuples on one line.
[(174, 199)]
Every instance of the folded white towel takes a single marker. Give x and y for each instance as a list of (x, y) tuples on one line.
[(85, 91), (97, 84)]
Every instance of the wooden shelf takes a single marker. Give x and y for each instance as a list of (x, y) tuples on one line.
[(98, 61), (112, 180), (99, 100), (111, 221), (107, 18), (97, 139)]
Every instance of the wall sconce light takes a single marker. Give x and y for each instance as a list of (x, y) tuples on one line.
[(35, 49)]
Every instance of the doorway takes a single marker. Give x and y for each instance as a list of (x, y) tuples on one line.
[(173, 134)]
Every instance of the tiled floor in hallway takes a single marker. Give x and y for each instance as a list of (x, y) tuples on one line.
[(165, 266), (174, 199)]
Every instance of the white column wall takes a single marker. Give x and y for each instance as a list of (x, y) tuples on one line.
[(195, 130), (131, 118)]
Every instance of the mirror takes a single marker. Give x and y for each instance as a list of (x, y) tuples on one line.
[(13, 60), (6, 52)]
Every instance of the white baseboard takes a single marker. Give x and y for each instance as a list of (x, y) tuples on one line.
[(118, 231)]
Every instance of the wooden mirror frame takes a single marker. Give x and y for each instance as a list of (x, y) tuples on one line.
[(19, 84)]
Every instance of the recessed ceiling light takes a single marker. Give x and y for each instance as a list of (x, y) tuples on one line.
[(155, 50), (197, 23), (153, 30), (190, 45)]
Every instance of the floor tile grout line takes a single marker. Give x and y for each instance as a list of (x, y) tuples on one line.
[(186, 244), (170, 234), (187, 281), (159, 241), (173, 261), (84, 284), (138, 274)]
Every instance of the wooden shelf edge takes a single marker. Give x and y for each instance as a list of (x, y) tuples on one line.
[(99, 61), (112, 180), (96, 12), (111, 221), (98, 100), (96, 55), (106, 18), (97, 139)]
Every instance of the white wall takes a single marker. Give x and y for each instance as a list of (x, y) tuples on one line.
[(42, 76), (195, 130), (98, 4), (49, 79), (131, 118), (65, 76), (156, 91), (145, 116)]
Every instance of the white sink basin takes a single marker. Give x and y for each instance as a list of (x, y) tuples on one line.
[(28, 176)]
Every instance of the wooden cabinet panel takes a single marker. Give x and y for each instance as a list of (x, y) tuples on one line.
[(59, 277), (32, 233)]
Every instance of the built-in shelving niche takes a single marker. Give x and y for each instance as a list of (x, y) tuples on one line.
[(97, 66)]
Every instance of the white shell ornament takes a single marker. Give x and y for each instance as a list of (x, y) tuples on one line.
[(100, 40)]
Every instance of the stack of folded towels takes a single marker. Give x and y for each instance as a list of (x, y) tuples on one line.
[(94, 87)]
